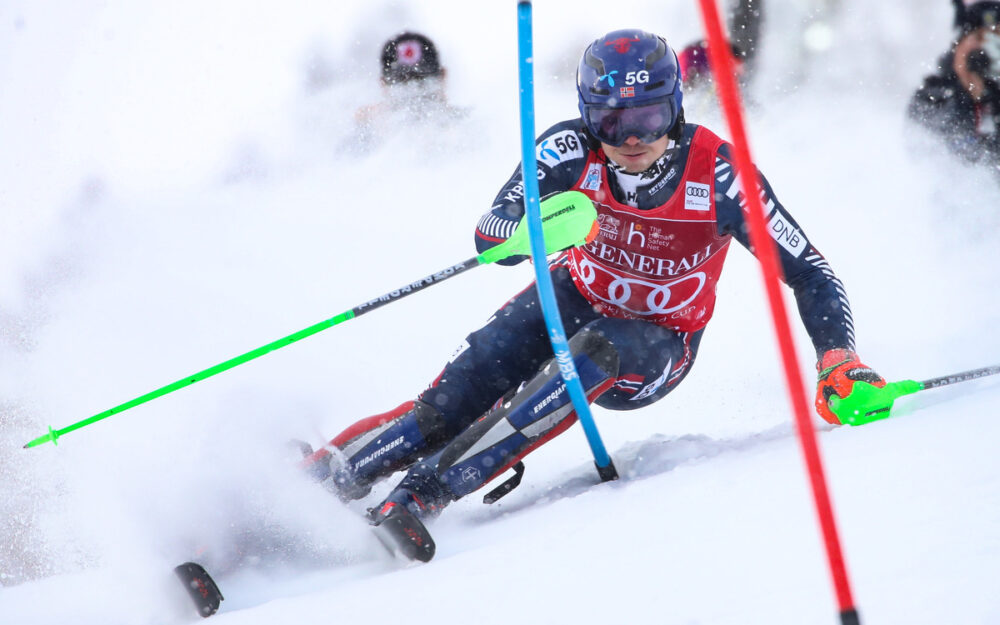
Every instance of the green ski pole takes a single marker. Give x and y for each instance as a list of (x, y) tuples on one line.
[(569, 219), (868, 403)]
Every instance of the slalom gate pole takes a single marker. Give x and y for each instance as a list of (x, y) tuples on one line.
[(721, 61), (543, 280), (868, 403), (568, 219)]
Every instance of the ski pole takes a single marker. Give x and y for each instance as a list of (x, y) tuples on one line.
[(569, 219), (721, 61), (543, 280), (868, 403)]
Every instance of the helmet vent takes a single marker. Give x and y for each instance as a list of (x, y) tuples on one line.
[(657, 54), (594, 62)]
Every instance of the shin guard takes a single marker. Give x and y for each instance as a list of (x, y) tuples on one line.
[(378, 446)]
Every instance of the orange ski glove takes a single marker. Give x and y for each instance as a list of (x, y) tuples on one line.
[(838, 370)]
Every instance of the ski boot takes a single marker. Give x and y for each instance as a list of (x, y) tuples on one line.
[(328, 466)]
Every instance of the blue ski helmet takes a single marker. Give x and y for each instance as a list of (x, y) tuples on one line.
[(629, 84)]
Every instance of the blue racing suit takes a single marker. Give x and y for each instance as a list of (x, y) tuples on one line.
[(500, 397)]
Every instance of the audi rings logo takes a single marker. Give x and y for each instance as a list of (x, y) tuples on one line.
[(641, 297), (697, 196)]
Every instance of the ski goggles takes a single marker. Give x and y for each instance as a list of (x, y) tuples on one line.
[(613, 126)]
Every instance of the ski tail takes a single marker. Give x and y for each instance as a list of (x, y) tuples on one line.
[(202, 589), (403, 533)]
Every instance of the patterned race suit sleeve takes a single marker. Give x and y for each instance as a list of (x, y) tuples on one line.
[(561, 153), (819, 294)]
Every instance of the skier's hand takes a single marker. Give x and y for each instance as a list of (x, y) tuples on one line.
[(838, 370)]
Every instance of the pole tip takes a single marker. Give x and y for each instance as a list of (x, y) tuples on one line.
[(44, 438), (608, 473), (849, 616)]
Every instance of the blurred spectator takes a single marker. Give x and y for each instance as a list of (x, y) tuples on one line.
[(413, 88), (700, 98), (961, 101), (410, 57), (745, 19), (694, 64)]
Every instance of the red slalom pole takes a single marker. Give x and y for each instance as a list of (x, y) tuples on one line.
[(721, 61)]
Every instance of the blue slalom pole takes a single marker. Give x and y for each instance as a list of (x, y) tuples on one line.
[(543, 280)]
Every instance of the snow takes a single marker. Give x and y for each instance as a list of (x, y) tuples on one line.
[(179, 187)]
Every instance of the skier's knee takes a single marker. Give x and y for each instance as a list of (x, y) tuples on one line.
[(592, 343), (431, 423)]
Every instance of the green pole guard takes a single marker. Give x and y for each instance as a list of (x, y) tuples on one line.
[(569, 219), (868, 403)]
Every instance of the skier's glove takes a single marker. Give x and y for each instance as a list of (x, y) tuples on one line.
[(838, 370)]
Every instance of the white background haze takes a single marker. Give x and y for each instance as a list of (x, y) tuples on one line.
[(178, 185)]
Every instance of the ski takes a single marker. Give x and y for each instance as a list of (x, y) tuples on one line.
[(404, 534), (200, 587)]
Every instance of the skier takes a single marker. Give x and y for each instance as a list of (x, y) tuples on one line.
[(694, 65), (745, 19), (746, 22), (700, 97), (413, 89), (635, 301), (961, 102)]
